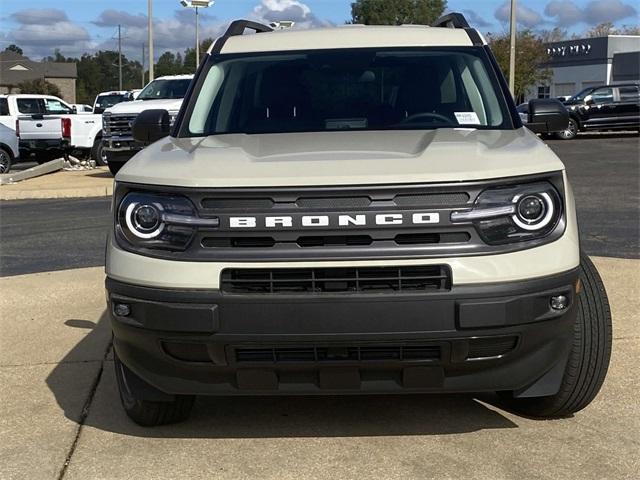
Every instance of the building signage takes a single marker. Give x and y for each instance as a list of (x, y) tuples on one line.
[(569, 50)]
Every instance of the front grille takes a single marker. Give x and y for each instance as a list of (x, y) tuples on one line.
[(336, 280), (338, 353), (118, 125)]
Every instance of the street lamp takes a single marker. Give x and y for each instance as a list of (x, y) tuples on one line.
[(197, 4)]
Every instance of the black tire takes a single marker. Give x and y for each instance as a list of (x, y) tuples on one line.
[(589, 357), (145, 412), (98, 153), (5, 160), (571, 132)]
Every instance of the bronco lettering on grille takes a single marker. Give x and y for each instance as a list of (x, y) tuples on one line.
[(310, 221)]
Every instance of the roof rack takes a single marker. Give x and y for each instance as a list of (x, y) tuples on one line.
[(451, 20), (237, 27)]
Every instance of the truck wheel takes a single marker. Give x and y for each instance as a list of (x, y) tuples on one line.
[(146, 412), (571, 132), (98, 153), (589, 358), (5, 161)]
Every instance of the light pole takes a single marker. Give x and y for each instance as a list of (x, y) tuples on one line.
[(150, 39), (197, 4), (512, 51)]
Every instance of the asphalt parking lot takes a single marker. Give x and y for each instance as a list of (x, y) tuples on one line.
[(62, 418)]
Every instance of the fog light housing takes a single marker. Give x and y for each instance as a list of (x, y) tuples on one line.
[(122, 310), (559, 302)]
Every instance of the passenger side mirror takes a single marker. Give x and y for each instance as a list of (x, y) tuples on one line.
[(547, 116), (589, 100), (150, 126), (74, 109)]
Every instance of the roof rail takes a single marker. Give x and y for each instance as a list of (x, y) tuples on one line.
[(237, 27), (451, 20)]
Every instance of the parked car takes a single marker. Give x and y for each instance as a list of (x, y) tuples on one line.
[(48, 127), (118, 143), (106, 100), (82, 108), (9, 151), (609, 107), (351, 211)]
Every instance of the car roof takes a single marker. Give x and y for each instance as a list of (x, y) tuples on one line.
[(114, 92), (175, 77), (29, 95), (347, 36)]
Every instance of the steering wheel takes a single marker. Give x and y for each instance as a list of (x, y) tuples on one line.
[(416, 116)]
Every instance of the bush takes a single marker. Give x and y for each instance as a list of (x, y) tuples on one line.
[(39, 86)]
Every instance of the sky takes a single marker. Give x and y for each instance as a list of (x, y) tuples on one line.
[(78, 26)]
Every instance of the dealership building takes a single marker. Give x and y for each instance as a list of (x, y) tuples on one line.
[(589, 62)]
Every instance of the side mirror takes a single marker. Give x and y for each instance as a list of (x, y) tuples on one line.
[(98, 109), (150, 126), (547, 116), (588, 100), (74, 109)]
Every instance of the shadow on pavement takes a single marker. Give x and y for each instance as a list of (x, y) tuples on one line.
[(271, 417), (101, 175)]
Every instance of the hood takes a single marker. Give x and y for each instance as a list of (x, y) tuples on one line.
[(340, 158), (137, 106)]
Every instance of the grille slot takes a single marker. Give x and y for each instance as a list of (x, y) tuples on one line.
[(427, 238), (336, 280), (431, 199), (237, 203), (318, 354), (329, 240), (491, 347), (238, 242), (333, 202)]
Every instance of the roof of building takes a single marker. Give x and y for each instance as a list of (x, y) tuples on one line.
[(348, 36), (16, 68)]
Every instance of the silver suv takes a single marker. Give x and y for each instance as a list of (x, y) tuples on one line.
[(351, 210)]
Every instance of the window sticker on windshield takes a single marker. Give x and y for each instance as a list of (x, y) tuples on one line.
[(467, 118)]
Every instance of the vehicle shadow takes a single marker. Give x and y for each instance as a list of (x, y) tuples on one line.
[(101, 174), (272, 417)]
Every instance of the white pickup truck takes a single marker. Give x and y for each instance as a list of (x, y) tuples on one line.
[(48, 127), (164, 93)]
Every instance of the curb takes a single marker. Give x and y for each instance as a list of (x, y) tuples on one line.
[(92, 192), (49, 167)]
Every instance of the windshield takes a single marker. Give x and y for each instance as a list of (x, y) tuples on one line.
[(106, 101), (359, 89), (165, 89), (582, 94)]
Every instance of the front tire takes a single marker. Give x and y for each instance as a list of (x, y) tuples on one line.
[(571, 132), (98, 153), (589, 357), (5, 161), (148, 413)]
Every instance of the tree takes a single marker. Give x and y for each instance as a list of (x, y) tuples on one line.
[(14, 48), (530, 56), (396, 12), (556, 35), (168, 64), (39, 86), (190, 55), (629, 30), (602, 30)]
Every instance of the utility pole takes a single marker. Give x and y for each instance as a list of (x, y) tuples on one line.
[(512, 51), (119, 59), (197, 42), (150, 41), (142, 64)]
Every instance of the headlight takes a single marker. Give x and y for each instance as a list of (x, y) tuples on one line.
[(514, 213), (157, 221)]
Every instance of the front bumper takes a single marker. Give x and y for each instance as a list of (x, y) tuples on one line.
[(121, 144), (472, 338)]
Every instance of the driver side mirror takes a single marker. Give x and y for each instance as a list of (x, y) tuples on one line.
[(150, 126), (547, 116)]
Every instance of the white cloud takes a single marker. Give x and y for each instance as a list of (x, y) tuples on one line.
[(566, 12), (524, 15), (475, 20), (601, 11), (277, 10)]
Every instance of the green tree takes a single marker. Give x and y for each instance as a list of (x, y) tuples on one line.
[(396, 12), (14, 48), (39, 86), (530, 56), (190, 55), (168, 64)]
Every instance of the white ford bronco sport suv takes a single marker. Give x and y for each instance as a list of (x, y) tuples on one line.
[(351, 210)]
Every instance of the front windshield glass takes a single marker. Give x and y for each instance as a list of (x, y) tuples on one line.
[(358, 89), (165, 89), (106, 101)]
